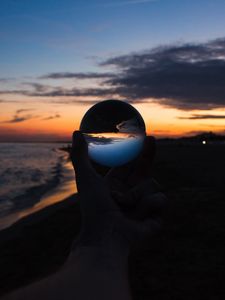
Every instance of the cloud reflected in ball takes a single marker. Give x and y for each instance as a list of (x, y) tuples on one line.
[(114, 131)]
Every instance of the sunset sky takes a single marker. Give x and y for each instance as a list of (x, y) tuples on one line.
[(58, 58)]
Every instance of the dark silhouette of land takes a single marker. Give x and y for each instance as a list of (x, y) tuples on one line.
[(207, 137), (186, 261)]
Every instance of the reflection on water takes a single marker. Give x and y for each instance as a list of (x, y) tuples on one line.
[(64, 189), (25, 166), (114, 149)]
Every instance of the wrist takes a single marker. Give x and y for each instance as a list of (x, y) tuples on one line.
[(110, 256), (101, 230), (102, 240)]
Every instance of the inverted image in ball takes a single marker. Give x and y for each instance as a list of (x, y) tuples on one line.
[(114, 131)]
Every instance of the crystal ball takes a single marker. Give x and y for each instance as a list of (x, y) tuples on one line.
[(114, 131)]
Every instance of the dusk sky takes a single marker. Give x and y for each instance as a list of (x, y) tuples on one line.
[(57, 58)]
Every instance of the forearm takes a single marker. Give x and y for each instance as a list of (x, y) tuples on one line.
[(102, 273), (89, 273)]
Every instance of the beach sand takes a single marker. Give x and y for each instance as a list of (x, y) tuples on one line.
[(186, 261)]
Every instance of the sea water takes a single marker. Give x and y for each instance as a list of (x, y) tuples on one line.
[(25, 166)]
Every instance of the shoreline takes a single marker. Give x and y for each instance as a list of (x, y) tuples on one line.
[(60, 187), (15, 228)]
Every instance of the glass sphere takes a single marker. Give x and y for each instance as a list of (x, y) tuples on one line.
[(114, 131)]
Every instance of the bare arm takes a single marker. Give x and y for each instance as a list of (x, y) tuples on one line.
[(97, 267), (89, 273)]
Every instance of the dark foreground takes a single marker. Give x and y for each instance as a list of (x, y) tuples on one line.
[(186, 261)]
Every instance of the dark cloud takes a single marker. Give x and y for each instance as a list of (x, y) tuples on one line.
[(13, 92), (188, 76), (183, 76), (75, 101), (40, 88), (56, 116), (66, 75), (75, 92), (92, 102), (62, 92), (17, 119), (23, 110), (20, 117), (202, 117)]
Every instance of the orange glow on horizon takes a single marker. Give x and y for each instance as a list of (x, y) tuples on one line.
[(42, 122)]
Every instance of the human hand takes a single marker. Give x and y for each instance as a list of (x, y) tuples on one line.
[(126, 203)]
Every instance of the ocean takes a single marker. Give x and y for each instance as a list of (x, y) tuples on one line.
[(30, 175)]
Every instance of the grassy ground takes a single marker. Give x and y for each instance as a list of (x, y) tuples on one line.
[(186, 261)]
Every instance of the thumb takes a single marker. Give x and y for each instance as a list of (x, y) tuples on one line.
[(81, 163), (79, 152)]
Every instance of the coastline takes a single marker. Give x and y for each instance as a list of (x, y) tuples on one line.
[(60, 187)]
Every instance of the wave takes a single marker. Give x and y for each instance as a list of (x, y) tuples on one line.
[(28, 172)]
